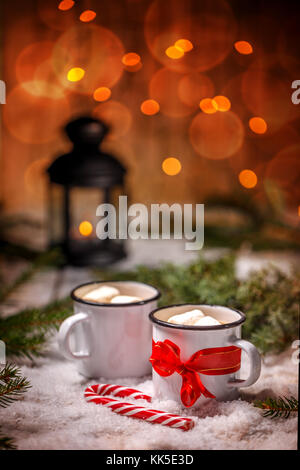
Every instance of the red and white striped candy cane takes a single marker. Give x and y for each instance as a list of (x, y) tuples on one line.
[(96, 393), (115, 391)]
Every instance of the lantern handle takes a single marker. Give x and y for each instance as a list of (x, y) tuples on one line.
[(64, 336)]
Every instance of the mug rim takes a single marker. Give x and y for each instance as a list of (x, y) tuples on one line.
[(197, 327), (103, 304)]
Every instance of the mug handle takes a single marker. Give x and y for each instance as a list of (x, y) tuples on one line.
[(64, 334), (255, 362)]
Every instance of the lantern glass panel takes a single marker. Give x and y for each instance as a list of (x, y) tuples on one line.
[(56, 214)]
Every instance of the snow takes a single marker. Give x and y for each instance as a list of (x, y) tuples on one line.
[(54, 415)]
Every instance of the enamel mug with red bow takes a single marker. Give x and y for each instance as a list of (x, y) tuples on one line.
[(194, 364)]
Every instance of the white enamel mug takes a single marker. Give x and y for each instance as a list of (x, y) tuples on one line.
[(110, 340), (191, 339)]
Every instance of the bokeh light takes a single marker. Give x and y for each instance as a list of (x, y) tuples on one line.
[(265, 93), (102, 93), (171, 166), (45, 119), (85, 228), (76, 74), (222, 103), (163, 88), (248, 178), (208, 106), (184, 44), (54, 19), (131, 59), (243, 47), (284, 171), (87, 16), (102, 64), (193, 87), (116, 115), (258, 125), (66, 5), (174, 52), (150, 107), (210, 24), (30, 58), (216, 136)]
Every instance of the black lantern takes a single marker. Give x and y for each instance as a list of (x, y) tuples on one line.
[(79, 182)]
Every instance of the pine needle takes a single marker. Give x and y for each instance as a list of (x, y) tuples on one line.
[(12, 385), (281, 407)]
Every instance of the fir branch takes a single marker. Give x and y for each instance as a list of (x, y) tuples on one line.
[(6, 443), (269, 298), (12, 385), (26, 333), (280, 407)]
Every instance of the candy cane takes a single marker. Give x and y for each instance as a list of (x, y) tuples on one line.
[(114, 390), (96, 393)]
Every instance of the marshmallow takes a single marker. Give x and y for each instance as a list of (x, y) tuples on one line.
[(102, 294), (187, 318), (124, 299), (206, 321)]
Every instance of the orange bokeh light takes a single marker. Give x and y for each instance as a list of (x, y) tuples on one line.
[(102, 63), (243, 47), (47, 114), (131, 59), (174, 52), (216, 136), (85, 228), (66, 5), (150, 107), (171, 166), (116, 115), (184, 44), (221, 103), (193, 87), (258, 125), (208, 106), (102, 94), (248, 179), (87, 16), (76, 74), (163, 88)]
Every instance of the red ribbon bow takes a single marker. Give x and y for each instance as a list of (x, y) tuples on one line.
[(165, 360)]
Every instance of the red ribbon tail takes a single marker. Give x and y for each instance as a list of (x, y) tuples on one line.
[(192, 388)]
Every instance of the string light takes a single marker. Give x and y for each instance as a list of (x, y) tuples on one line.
[(131, 59), (248, 179), (76, 74), (171, 166), (184, 44), (150, 107), (243, 47), (87, 16), (174, 52), (102, 94), (208, 106), (258, 125), (85, 228), (66, 5), (221, 103)]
